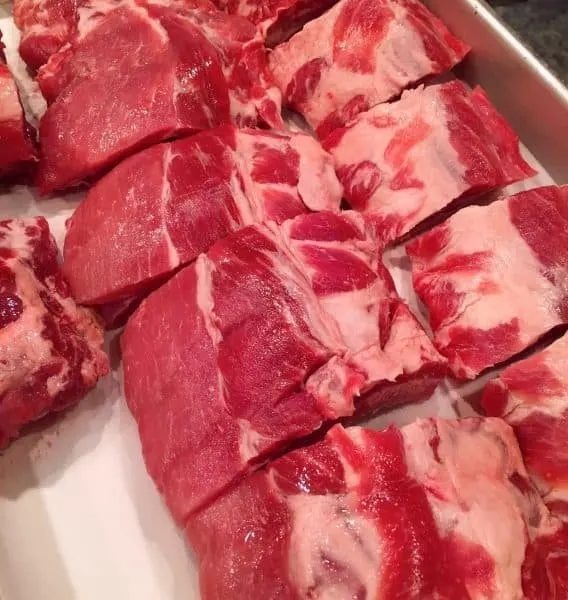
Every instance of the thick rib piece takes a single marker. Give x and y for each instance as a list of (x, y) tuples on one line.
[(50, 349), (492, 277), (428, 511), (401, 163), (237, 355), (161, 208), (139, 74), (532, 396), (47, 25), (277, 19), (359, 54), (17, 151)]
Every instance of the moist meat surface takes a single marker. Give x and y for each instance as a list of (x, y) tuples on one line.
[(272, 333), (404, 162), (434, 510), (493, 277), (161, 208), (50, 349), (359, 54)]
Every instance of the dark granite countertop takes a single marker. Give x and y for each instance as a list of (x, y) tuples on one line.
[(543, 26)]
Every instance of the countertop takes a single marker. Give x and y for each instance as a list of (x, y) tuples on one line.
[(543, 26)]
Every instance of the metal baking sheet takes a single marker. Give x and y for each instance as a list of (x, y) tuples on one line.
[(534, 101), (79, 517)]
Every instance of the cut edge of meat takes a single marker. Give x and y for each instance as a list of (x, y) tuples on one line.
[(326, 393), (20, 138), (433, 266), (351, 462), (236, 65), (65, 359)]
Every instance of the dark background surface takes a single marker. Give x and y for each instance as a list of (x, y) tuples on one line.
[(542, 25)]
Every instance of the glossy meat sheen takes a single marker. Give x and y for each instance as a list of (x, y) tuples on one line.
[(360, 54), (493, 277), (50, 349), (260, 342), (47, 25), (161, 208), (17, 152), (532, 396), (429, 511), (401, 163), (277, 19), (136, 74)]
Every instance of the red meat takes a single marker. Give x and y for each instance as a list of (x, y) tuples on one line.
[(277, 19), (161, 208), (270, 335), (401, 163), (360, 54), (50, 349), (17, 150), (428, 511), (138, 73), (493, 277)]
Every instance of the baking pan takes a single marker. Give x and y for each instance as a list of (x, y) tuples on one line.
[(534, 101), (79, 517)]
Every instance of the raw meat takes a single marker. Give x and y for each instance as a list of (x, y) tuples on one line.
[(545, 571), (140, 73), (429, 511), (493, 278), (401, 163), (359, 54), (277, 19), (17, 151), (161, 208), (532, 396), (45, 26), (50, 349), (270, 335)]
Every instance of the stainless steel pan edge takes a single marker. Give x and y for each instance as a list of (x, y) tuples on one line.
[(532, 99)]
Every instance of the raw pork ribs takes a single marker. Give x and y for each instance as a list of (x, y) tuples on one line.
[(493, 278), (161, 208), (359, 54), (532, 396), (277, 19), (138, 73), (273, 333), (45, 26), (429, 511), (50, 349), (17, 151), (401, 163)]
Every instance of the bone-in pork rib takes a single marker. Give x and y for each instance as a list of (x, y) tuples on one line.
[(532, 397), (17, 150), (277, 19), (429, 511), (161, 208), (140, 73), (358, 54), (403, 162), (272, 333), (493, 278), (50, 349)]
